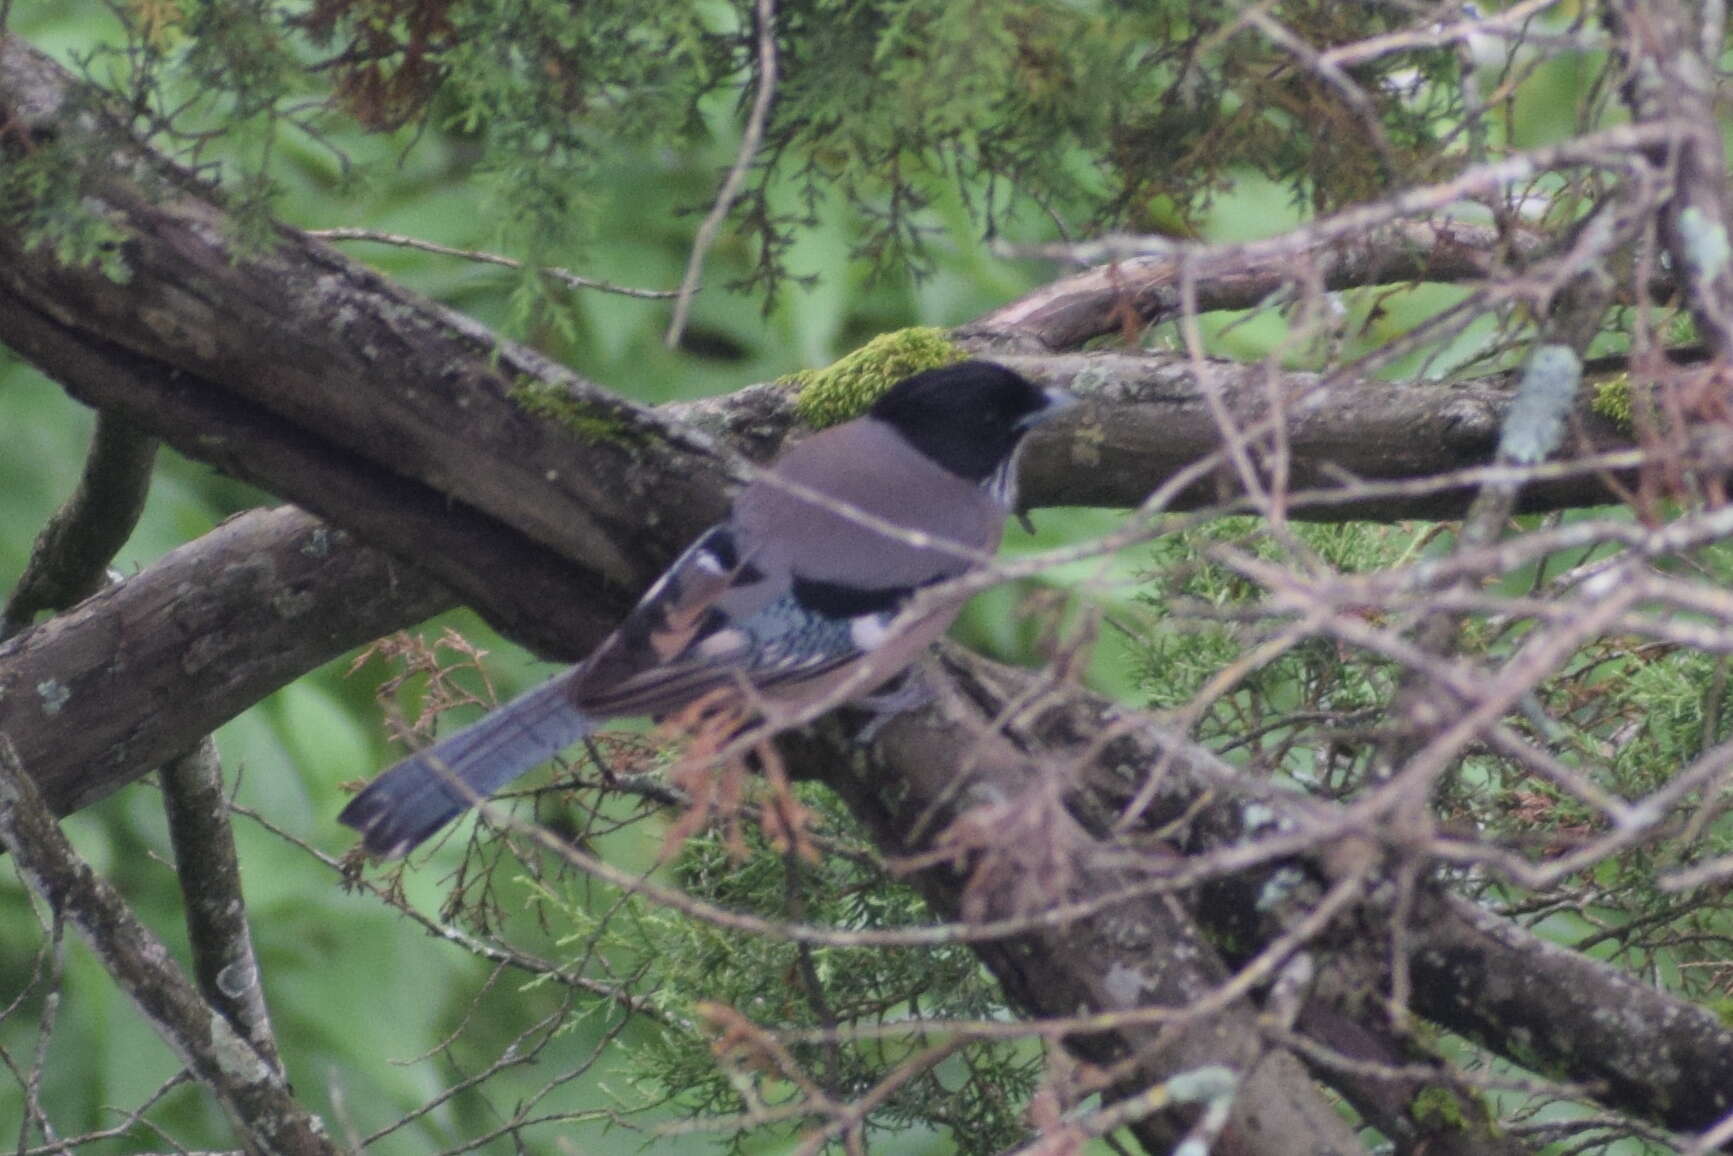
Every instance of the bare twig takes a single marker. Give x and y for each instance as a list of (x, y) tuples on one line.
[(1511, 23), (1615, 148), (564, 276), (765, 13)]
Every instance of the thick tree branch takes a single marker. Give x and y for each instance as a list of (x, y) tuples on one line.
[(525, 588), (1151, 417), (1380, 242), (133, 677), (307, 374), (1656, 1057), (295, 362)]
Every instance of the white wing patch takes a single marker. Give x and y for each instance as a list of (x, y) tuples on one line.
[(869, 631), (724, 643), (710, 563)]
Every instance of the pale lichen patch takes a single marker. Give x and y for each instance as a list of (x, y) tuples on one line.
[(54, 695)]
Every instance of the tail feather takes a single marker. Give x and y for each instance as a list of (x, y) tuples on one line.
[(424, 792)]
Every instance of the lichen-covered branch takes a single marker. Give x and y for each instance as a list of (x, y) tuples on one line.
[(209, 873), (288, 361), (135, 676), (1556, 1010)]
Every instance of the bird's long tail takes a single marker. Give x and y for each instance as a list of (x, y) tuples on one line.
[(426, 791)]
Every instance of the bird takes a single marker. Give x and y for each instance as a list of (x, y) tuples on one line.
[(790, 599)]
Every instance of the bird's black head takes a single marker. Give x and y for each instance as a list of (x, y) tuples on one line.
[(968, 417)]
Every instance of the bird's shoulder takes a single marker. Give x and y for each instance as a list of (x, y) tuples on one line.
[(802, 516)]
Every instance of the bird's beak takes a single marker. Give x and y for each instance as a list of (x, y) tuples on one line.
[(1057, 400)]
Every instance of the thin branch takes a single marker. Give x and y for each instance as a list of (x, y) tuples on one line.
[(473, 944), (45, 1023), (1333, 75), (255, 1098), (765, 11), (565, 276), (209, 873), (1614, 148), (70, 559), (1512, 23), (1065, 313)]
